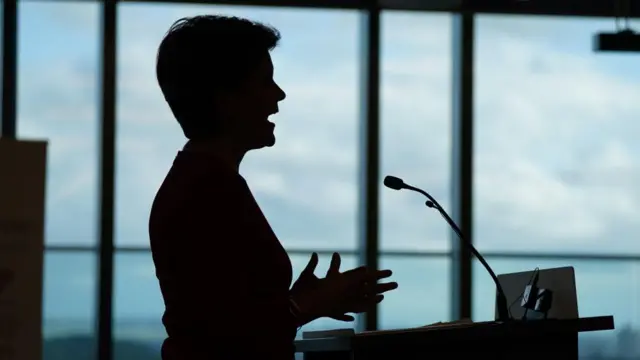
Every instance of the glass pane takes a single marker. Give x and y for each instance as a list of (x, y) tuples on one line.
[(58, 97), (307, 183), (604, 288), (424, 291), (557, 160), (416, 127), (138, 304), (138, 308), (69, 305)]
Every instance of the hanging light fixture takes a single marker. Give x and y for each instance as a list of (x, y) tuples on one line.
[(624, 39)]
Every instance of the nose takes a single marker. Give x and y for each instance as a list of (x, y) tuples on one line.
[(281, 94)]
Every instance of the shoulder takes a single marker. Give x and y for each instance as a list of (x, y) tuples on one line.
[(195, 188)]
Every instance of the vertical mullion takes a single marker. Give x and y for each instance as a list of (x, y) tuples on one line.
[(462, 164), (370, 145), (107, 174), (9, 68)]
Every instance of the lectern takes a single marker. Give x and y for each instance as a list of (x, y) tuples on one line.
[(521, 339)]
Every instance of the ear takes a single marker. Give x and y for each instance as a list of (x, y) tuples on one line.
[(226, 104)]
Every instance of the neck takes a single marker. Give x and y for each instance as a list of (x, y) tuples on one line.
[(220, 148)]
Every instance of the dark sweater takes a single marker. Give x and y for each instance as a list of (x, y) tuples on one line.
[(223, 273)]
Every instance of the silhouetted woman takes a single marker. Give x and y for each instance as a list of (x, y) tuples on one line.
[(224, 275)]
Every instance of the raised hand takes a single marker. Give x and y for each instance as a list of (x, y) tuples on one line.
[(353, 291), (367, 290), (307, 281)]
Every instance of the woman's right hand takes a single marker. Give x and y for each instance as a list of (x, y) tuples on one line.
[(352, 291)]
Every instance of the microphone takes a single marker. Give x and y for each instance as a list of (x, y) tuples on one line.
[(395, 183)]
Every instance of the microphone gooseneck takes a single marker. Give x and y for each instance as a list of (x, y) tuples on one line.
[(395, 183)]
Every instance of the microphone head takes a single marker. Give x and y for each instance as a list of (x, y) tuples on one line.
[(394, 183)]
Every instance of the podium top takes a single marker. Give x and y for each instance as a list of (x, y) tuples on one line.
[(458, 331), (597, 323)]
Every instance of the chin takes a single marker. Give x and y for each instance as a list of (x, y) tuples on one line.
[(270, 142), (265, 142)]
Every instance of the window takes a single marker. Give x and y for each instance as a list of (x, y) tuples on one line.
[(69, 305), (138, 307), (58, 93), (416, 146), (307, 183), (423, 295), (557, 164)]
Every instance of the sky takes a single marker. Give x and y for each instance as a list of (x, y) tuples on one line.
[(556, 158)]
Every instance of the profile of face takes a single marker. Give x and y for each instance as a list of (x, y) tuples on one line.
[(245, 111)]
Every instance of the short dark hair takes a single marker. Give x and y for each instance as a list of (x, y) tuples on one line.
[(204, 55)]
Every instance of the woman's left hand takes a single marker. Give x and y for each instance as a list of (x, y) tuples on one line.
[(308, 280)]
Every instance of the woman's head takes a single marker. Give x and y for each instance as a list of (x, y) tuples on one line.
[(216, 75)]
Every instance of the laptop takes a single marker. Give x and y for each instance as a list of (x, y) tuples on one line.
[(561, 281)]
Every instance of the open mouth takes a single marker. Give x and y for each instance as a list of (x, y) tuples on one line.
[(270, 116)]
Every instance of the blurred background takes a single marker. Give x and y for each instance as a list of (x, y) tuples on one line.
[(500, 109)]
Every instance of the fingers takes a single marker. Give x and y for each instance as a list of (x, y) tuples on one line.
[(343, 317), (365, 295), (384, 287), (334, 267), (367, 292), (370, 295), (382, 274), (364, 274), (365, 282), (311, 266), (370, 292)]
